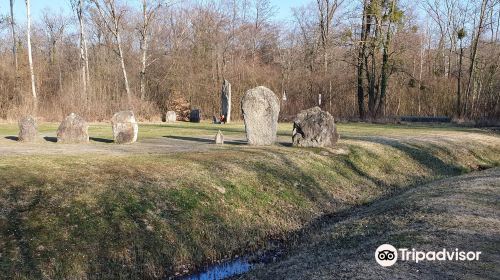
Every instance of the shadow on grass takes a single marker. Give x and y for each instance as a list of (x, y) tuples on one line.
[(102, 140), (421, 155), (50, 139), (214, 127), (13, 138), (285, 144), (223, 128), (205, 140), (21, 204)]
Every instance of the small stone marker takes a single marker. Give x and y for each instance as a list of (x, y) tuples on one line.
[(314, 128), (28, 129), (125, 127), (73, 129), (260, 108), (195, 115), (219, 138), (170, 117), (226, 101)]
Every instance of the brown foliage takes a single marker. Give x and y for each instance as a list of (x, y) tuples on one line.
[(192, 48)]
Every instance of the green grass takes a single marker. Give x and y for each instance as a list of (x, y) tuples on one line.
[(148, 130), (150, 215)]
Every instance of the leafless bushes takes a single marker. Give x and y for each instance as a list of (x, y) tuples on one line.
[(186, 50)]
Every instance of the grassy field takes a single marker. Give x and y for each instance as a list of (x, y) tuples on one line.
[(150, 214)]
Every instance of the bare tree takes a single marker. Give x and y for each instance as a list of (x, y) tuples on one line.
[(461, 34), (365, 53), (55, 25), (149, 10), (111, 17), (360, 62), (30, 57), (78, 7), (473, 57), (326, 9), (263, 10), (13, 31)]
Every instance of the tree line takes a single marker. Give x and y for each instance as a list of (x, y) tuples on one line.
[(365, 59)]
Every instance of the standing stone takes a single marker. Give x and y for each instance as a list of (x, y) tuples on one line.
[(314, 128), (219, 138), (260, 108), (73, 129), (170, 117), (226, 101), (27, 129), (125, 128), (195, 115)]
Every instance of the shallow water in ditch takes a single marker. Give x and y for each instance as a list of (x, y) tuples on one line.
[(222, 270)]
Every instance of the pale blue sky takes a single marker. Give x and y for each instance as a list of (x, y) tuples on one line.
[(37, 6)]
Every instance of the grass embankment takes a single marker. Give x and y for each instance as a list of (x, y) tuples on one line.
[(459, 212), (148, 216)]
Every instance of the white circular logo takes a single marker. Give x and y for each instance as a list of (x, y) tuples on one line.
[(386, 255)]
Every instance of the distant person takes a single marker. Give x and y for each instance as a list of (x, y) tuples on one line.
[(222, 119)]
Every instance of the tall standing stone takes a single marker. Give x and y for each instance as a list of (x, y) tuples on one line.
[(28, 129), (260, 108), (314, 128), (125, 127), (73, 129), (226, 101)]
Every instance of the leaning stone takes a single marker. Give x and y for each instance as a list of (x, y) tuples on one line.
[(314, 128), (226, 101), (170, 117), (219, 138), (260, 108), (28, 129), (73, 129), (195, 115), (125, 127)]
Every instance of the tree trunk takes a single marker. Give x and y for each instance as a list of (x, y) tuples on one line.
[(474, 55), (142, 74), (83, 54), (372, 95), (144, 49), (359, 66), (124, 70), (87, 69), (459, 83), (384, 77), (30, 58), (112, 22), (13, 30)]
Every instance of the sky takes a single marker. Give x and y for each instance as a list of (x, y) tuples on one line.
[(283, 7)]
